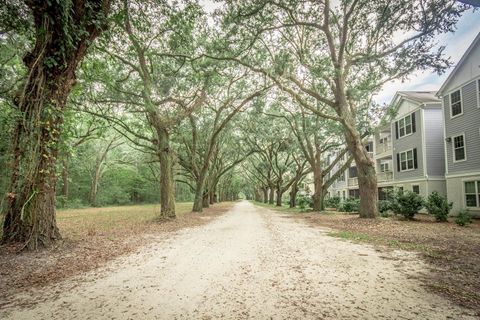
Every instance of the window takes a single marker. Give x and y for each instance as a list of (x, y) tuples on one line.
[(416, 189), (341, 177), (472, 193), (355, 193), (352, 172), (405, 126), (407, 160), (456, 103), (459, 148), (384, 167)]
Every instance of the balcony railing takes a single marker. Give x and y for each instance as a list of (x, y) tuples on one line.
[(352, 182), (370, 154), (384, 147), (385, 176)]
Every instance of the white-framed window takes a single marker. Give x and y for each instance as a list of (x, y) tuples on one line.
[(458, 145), (407, 160), (416, 188), (456, 103), (472, 194), (405, 126), (384, 166)]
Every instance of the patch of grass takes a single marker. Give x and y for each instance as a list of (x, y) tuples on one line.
[(350, 235), (78, 223)]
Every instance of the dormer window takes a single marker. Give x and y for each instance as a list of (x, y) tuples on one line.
[(456, 103)]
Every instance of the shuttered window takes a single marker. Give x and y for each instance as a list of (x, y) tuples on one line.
[(407, 160), (456, 103)]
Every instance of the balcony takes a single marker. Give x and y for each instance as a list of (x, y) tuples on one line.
[(385, 176), (384, 147), (352, 182), (370, 154)]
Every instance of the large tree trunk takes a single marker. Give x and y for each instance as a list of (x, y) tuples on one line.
[(293, 195), (279, 197), (318, 188), (167, 186), (271, 196), (94, 187), (367, 179), (63, 35), (198, 200), (265, 194)]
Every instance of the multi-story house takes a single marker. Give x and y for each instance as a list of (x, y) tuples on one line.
[(460, 95), (418, 162)]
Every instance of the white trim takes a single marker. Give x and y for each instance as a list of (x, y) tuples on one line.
[(477, 192), (464, 147), (424, 147), (466, 174), (445, 152), (405, 127), (423, 179), (406, 159), (450, 106)]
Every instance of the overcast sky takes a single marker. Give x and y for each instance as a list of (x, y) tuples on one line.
[(456, 45)]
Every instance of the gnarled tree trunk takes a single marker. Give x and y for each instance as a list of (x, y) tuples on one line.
[(318, 188), (367, 179), (293, 195), (63, 34)]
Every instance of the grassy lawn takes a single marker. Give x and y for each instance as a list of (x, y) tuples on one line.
[(452, 252), (78, 223)]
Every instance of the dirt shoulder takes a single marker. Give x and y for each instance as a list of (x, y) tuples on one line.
[(92, 237), (451, 252)]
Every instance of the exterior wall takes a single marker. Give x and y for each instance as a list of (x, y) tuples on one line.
[(467, 123), (426, 186), (455, 194), (467, 70), (434, 152), (406, 143)]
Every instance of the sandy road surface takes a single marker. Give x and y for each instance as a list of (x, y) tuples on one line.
[(250, 263)]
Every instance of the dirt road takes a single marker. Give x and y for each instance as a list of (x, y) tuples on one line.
[(250, 263)]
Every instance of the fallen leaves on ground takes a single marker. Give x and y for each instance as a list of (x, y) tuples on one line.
[(452, 252), (92, 237)]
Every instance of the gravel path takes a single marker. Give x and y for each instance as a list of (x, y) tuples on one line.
[(250, 263)]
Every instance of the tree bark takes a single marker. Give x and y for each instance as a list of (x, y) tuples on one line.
[(265, 194), (271, 195), (198, 200), (279, 197), (293, 195), (167, 186), (63, 36), (367, 178), (318, 188)]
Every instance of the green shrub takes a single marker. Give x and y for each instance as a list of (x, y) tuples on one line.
[(304, 201), (463, 218), (406, 203), (349, 205), (438, 206), (332, 202), (384, 207)]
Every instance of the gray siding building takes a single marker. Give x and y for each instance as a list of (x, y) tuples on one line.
[(417, 143), (460, 96)]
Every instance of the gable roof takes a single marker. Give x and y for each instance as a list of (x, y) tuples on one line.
[(462, 60), (419, 96)]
